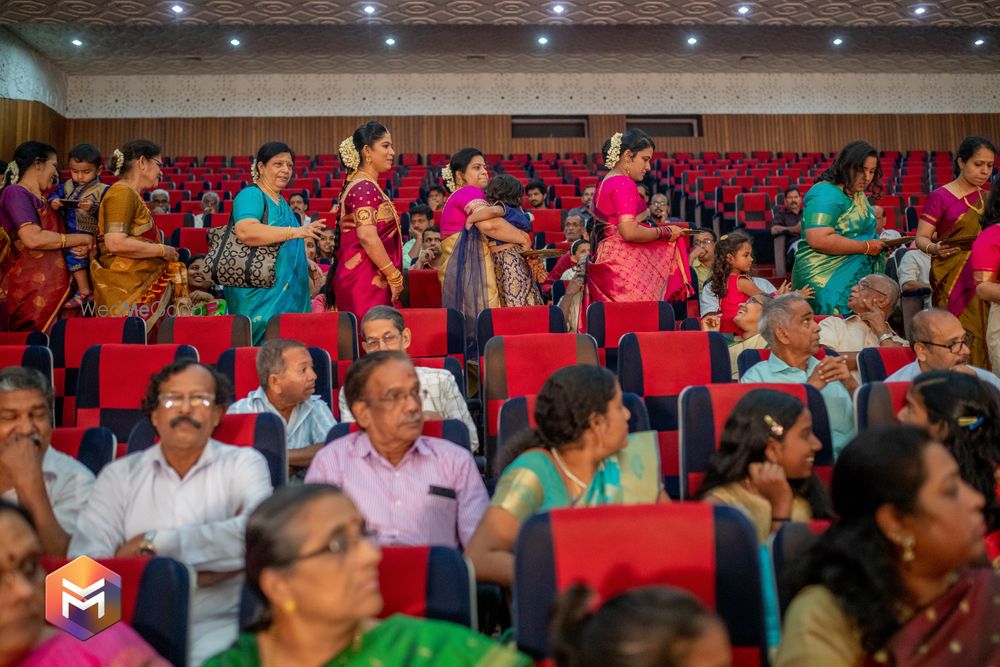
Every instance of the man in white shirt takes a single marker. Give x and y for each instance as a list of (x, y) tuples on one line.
[(940, 343), (383, 328), (914, 273), (872, 301), (51, 486), (287, 383), (186, 498)]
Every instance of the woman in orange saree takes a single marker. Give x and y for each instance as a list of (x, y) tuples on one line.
[(34, 280), (954, 213)]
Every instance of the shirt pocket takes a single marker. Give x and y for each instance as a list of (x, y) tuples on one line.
[(442, 515)]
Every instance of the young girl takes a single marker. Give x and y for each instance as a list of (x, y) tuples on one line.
[(516, 280), (731, 277)]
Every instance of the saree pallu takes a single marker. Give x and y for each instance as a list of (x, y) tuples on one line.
[(125, 287), (117, 646), (959, 629), (832, 276), (36, 282)]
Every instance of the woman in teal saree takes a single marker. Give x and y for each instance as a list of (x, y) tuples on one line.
[(580, 455), (840, 243), (312, 561)]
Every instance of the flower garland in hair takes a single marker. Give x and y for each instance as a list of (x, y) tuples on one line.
[(255, 171), (449, 178), (614, 151), (117, 161), (349, 154), (13, 172)]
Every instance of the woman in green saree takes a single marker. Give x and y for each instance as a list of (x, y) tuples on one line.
[(312, 560), (840, 243), (580, 455)]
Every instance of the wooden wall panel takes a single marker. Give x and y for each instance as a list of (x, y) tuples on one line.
[(21, 120)]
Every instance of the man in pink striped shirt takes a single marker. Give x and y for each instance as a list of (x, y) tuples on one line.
[(411, 488)]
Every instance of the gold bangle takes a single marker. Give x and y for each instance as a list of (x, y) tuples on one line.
[(868, 248), (382, 269), (396, 279), (163, 250), (62, 240)]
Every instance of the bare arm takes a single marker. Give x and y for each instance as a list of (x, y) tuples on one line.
[(987, 288), (633, 232), (825, 240), (123, 245), (483, 214), (35, 238), (491, 546), (501, 230), (251, 232)]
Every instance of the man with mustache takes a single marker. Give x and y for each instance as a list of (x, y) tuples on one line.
[(287, 383), (52, 486), (187, 498), (411, 488)]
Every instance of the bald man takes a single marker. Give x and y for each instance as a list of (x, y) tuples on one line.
[(940, 343)]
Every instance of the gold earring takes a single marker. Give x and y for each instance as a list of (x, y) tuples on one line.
[(907, 543), (288, 607)]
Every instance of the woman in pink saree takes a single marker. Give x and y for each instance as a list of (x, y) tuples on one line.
[(632, 261), (368, 246)]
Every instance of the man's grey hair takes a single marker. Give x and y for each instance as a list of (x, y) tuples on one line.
[(271, 358), (888, 286), (19, 378), (210, 196), (159, 191), (376, 313), (776, 314)]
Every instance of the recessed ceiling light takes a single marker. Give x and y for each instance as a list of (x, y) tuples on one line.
[(979, 42), (692, 40), (837, 41), (369, 10), (390, 41), (177, 9), (234, 41), (920, 11), (543, 40), (76, 42), (558, 9), (744, 10)]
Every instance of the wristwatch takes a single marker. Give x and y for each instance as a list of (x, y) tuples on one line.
[(884, 337), (146, 546)]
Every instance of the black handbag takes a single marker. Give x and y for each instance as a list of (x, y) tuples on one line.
[(234, 263)]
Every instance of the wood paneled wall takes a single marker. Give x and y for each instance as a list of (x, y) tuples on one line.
[(21, 120)]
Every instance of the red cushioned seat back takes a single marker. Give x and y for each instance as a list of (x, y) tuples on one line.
[(68, 439), (608, 321), (402, 575), (424, 288), (211, 336), (194, 239), (335, 332), (546, 220), (517, 321), (435, 332), (753, 209)]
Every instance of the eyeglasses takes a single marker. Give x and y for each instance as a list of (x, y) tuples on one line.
[(385, 341), (955, 347), (171, 401), (864, 283), (28, 569), (397, 398), (341, 544), (156, 162), (699, 242)]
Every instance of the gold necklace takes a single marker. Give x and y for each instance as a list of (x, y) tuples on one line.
[(982, 202)]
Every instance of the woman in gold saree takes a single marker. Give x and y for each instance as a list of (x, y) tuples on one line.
[(134, 274), (954, 212)]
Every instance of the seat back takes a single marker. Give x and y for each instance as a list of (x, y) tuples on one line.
[(424, 288), (658, 366), (211, 336), (104, 399), (435, 332), (239, 364), (449, 364), (878, 363), (753, 209), (878, 403), (515, 321), (23, 338), (93, 447), (608, 321), (788, 546), (710, 551), (37, 357), (704, 411), (335, 332), (70, 338)]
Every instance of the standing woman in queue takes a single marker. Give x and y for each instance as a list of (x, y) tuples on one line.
[(133, 272), (632, 261), (263, 217), (368, 247), (954, 211), (34, 280), (840, 243)]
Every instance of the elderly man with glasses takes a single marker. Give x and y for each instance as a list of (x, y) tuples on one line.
[(187, 498), (383, 328), (940, 343), (872, 301), (411, 488)]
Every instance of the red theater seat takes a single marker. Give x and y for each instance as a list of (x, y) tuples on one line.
[(878, 363), (37, 357), (93, 447), (515, 321), (608, 321), (335, 332), (211, 336), (878, 403), (435, 332), (424, 288)]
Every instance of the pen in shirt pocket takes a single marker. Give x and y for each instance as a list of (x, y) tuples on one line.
[(443, 492)]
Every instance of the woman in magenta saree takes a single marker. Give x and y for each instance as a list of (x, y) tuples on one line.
[(369, 248), (632, 262), (953, 212)]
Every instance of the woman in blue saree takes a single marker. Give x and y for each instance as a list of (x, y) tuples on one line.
[(840, 243), (272, 172)]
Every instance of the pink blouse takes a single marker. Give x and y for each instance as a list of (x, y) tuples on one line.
[(617, 196), (986, 250), (460, 205)]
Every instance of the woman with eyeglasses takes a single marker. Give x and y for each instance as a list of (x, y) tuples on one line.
[(134, 274), (313, 563)]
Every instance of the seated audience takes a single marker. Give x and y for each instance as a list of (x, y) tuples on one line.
[(383, 328), (51, 486), (574, 277), (586, 218), (731, 276), (287, 383), (963, 414), (326, 300), (644, 193), (587, 196), (895, 580), (206, 298), (436, 197), (430, 252), (941, 344), (300, 206), (421, 217), (316, 275), (764, 463), (411, 488), (788, 326), (210, 203), (872, 301), (327, 240), (579, 455), (535, 192), (573, 226), (914, 273), (787, 220), (27, 640), (578, 252), (659, 209), (186, 498), (702, 255), (320, 610), (653, 626), (747, 320), (159, 201)]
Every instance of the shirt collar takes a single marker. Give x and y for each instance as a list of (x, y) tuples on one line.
[(260, 394), (778, 365), (362, 447), (207, 456)]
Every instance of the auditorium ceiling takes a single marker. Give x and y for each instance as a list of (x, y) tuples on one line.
[(279, 36)]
